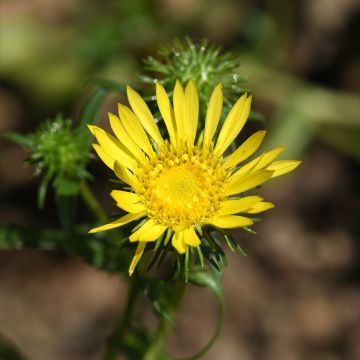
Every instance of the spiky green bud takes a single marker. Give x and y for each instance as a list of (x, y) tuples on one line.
[(204, 63), (56, 152)]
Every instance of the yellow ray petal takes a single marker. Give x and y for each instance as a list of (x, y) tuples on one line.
[(192, 110), (267, 158), (107, 159), (144, 115), (150, 231), (134, 129), (229, 207), (120, 132), (260, 207), (258, 163), (282, 167), (246, 169), (114, 148), (230, 221), (125, 175), (191, 238), (138, 254), (213, 114), (178, 242), (166, 111), (91, 128), (119, 222), (245, 150), (128, 201), (179, 109), (248, 182), (233, 124)]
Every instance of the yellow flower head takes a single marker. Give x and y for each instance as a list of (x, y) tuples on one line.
[(184, 182)]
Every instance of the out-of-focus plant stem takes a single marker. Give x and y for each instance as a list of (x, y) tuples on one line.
[(92, 203), (124, 321), (164, 326)]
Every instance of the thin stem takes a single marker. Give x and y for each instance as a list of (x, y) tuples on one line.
[(216, 334), (164, 326), (90, 200), (124, 321)]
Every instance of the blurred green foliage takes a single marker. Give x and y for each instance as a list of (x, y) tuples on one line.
[(52, 54)]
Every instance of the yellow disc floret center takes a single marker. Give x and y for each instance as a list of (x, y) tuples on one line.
[(183, 189), (178, 186)]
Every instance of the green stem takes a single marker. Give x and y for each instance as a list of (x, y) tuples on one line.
[(216, 334), (90, 200), (124, 321), (164, 326)]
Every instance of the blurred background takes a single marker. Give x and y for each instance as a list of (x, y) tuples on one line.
[(296, 295)]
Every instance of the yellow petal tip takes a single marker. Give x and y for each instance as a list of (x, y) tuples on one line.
[(91, 128)]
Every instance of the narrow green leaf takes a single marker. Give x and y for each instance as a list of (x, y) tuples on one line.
[(108, 85), (16, 237), (19, 139)]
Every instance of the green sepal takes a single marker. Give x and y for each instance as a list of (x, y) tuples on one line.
[(42, 190), (229, 242), (213, 251), (186, 264), (200, 256), (249, 230), (168, 235)]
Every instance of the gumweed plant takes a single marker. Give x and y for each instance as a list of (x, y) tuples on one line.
[(180, 182)]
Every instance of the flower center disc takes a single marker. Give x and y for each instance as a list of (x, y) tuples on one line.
[(183, 190), (178, 187)]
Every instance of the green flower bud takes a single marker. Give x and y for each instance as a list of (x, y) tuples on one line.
[(57, 154), (203, 63)]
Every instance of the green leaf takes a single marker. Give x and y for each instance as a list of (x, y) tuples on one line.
[(19, 139), (92, 107), (108, 85), (16, 237), (97, 250), (89, 115)]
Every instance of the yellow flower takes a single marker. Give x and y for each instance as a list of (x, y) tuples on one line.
[(186, 181)]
